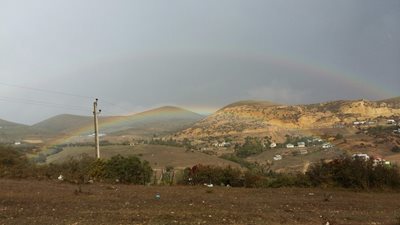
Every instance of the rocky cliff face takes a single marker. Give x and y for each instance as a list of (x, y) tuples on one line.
[(251, 117)]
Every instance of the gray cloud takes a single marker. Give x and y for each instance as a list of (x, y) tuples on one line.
[(141, 54)]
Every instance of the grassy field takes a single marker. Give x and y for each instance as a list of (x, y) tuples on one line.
[(49, 202), (158, 156), (292, 162)]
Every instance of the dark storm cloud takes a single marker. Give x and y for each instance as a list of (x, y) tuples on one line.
[(140, 54)]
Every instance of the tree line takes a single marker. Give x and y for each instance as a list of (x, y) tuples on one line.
[(344, 172)]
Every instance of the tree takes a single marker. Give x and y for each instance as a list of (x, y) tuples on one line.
[(128, 170), (251, 146)]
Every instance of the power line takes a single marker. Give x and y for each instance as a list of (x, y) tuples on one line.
[(60, 93), (46, 90), (42, 103)]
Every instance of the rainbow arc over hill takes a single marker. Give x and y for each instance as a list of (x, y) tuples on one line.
[(311, 70), (109, 122)]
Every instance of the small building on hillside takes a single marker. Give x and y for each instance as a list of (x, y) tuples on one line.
[(224, 144), (362, 156), (272, 145), (277, 157), (391, 122), (289, 146), (301, 144), (327, 145)]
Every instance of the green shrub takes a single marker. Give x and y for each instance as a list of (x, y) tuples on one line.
[(14, 164), (128, 170), (251, 146), (354, 173), (201, 174)]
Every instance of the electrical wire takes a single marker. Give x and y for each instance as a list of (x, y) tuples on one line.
[(42, 103), (46, 90), (62, 93)]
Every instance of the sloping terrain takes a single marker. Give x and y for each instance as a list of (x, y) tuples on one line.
[(251, 118), (63, 123), (162, 120), (158, 156), (10, 131), (8, 124)]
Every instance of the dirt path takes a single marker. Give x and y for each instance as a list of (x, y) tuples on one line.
[(43, 202)]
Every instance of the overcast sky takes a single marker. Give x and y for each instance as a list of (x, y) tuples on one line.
[(56, 55)]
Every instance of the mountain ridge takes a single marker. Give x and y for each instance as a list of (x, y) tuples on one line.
[(246, 119)]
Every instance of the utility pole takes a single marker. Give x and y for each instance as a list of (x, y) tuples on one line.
[(96, 128)]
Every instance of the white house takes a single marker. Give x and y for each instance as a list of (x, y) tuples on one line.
[(391, 121), (361, 156), (301, 144), (224, 144), (327, 145), (359, 122), (17, 143), (277, 157), (289, 146), (272, 145)]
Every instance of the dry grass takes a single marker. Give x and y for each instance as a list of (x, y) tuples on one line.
[(35, 202), (158, 156)]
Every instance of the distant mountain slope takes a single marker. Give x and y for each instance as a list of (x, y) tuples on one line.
[(161, 120), (62, 123), (246, 119), (391, 102), (251, 103), (5, 123), (10, 131)]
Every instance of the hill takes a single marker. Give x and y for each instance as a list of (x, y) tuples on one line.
[(7, 124), (10, 131), (391, 102), (163, 120), (62, 123), (251, 118), (251, 103)]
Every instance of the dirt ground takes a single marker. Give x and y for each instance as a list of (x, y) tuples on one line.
[(51, 202)]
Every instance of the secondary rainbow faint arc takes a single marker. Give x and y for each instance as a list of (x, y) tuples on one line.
[(317, 70), (311, 70)]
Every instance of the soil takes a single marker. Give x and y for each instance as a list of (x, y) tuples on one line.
[(53, 202)]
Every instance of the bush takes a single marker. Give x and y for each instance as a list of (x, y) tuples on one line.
[(354, 173), (201, 174), (74, 170), (14, 164), (127, 170), (251, 146)]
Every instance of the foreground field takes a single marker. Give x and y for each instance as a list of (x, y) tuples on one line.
[(43, 202)]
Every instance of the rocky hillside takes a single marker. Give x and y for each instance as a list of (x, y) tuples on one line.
[(251, 117)]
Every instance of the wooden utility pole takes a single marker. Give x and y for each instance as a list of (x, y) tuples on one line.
[(96, 128)]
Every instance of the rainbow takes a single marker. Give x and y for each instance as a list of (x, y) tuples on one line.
[(109, 122), (308, 69), (318, 70)]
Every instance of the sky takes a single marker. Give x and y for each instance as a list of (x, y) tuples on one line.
[(56, 56)]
